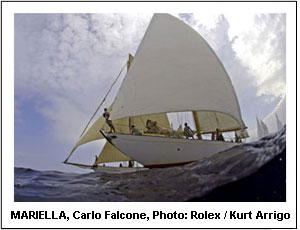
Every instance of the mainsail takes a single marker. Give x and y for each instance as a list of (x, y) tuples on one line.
[(174, 70)]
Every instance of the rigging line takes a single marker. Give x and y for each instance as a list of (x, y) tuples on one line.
[(103, 100)]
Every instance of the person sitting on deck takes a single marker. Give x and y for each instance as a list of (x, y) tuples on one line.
[(219, 135), (188, 132), (108, 122), (135, 131), (152, 127)]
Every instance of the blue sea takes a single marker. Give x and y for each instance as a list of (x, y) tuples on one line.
[(249, 172)]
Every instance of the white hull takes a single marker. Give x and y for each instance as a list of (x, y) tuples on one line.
[(162, 151), (117, 170)]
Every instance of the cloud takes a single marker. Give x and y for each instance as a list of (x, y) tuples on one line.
[(263, 49), (257, 45), (253, 54), (69, 61)]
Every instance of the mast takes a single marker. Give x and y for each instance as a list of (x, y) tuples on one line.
[(197, 124), (130, 59)]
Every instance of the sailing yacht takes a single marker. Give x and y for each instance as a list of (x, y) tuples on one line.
[(174, 70), (279, 123), (262, 129)]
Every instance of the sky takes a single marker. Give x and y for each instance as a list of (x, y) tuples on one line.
[(65, 63)]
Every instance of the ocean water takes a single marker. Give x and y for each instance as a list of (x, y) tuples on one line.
[(249, 172)]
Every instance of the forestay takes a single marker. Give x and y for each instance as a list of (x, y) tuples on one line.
[(174, 70)]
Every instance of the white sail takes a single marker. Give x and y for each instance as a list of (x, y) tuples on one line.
[(279, 124), (210, 121), (265, 128), (93, 132), (121, 126), (277, 118), (111, 154), (260, 132), (174, 70)]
